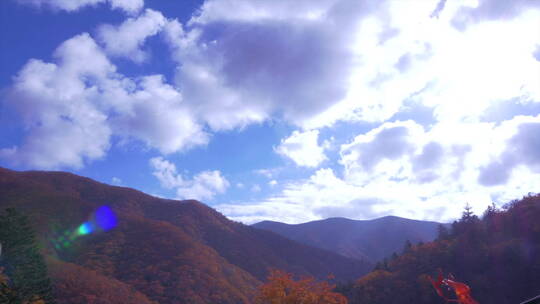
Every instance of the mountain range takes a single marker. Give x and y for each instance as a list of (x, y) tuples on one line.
[(368, 240), (161, 251)]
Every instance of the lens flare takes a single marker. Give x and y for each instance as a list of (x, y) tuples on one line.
[(85, 228), (103, 219)]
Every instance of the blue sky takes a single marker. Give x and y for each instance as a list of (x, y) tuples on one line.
[(284, 110)]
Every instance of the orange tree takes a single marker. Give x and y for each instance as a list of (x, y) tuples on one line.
[(281, 288)]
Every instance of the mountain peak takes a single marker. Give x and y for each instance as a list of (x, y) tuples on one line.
[(356, 238)]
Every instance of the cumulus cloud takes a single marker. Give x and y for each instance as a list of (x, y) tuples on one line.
[(333, 60), (303, 148), (63, 126), (382, 56), (325, 195), (404, 169), (129, 6), (203, 186), (299, 70), (390, 141), (318, 62), (127, 39), (521, 149), (71, 108), (157, 115), (427, 161)]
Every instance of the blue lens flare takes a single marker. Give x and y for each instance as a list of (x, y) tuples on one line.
[(105, 218)]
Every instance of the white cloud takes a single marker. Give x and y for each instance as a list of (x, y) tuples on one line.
[(204, 186), (127, 39), (301, 69), (71, 108), (157, 115), (129, 6), (116, 181), (391, 141), (298, 202), (319, 62), (165, 172), (272, 183), (522, 149), (322, 62), (405, 170), (63, 126), (303, 148), (334, 60)]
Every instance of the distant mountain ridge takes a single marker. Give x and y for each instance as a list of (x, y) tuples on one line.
[(162, 251), (370, 240)]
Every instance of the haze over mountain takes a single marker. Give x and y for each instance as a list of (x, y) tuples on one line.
[(162, 250), (370, 240)]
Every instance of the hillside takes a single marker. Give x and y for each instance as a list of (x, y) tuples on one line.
[(370, 240), (498, 256), (162, 250)]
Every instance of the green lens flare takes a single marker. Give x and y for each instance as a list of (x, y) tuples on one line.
[(85, 228)]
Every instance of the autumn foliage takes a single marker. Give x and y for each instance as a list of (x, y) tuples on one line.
[(167, 251), (496, 255), (281, 288)]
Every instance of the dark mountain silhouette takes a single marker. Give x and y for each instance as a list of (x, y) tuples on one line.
[(370, 240), (163, 251)]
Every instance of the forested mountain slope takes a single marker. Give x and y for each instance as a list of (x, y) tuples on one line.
[(498, 256), (161, 250), (370, 240)]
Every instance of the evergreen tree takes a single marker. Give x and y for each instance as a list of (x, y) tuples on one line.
[(23, 262), (467, 214)]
